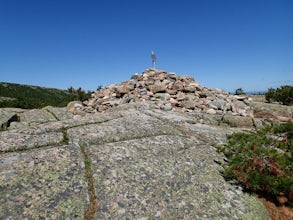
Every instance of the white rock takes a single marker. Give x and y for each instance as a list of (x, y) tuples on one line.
[(211, 111)]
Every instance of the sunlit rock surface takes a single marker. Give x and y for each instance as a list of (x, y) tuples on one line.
[(134, 161)]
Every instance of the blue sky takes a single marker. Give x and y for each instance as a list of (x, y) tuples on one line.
[(224, 44)]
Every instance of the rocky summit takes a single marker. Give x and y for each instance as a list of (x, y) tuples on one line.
[(168, 92), (142, 149)]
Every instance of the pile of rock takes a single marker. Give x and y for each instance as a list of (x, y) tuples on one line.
[(166, 91)]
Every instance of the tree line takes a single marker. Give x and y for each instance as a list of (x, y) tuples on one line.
[(30, 97)]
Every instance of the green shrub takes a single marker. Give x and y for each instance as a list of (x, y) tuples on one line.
[(284, 94), (239, 91), (262, 162), (79, 94), (270, 94)]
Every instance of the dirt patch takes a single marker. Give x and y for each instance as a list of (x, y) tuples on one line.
[(277, 212)]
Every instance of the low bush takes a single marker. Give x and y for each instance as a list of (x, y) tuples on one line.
[(262, 162), (284, 95), (79, 94), (239, 91)]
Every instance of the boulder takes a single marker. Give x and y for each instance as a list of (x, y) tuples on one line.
[(178, 86), (218, 104), (166, 107), (189, 88), (157, 88), (72, 106), (163, 96), (211, 111), (124, 89), (188, 104), (238, 121), (241, 108)]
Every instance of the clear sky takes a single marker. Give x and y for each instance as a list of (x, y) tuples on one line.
[(226, 44)]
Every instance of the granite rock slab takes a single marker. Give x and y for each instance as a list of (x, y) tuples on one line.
[(44, 183), (133, 161)]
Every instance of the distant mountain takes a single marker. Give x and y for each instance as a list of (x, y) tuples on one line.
[(256, 92), (28, 97)]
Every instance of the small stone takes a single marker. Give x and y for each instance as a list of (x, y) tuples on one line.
[(226, 205), (212, 106), (143, 91), (114, 173), (178, 86), (124, 89), (31, 164), (107, 182), (121, 211), (171, 91), (158, 214), (162, 96), (157, 88), (190, 88), (188, 104), (166, 107), (211, 111), (218, 104)]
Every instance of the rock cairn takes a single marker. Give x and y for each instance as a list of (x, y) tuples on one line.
[(166, 91)]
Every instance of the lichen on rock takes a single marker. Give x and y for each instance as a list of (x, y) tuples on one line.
[(143, 149)]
